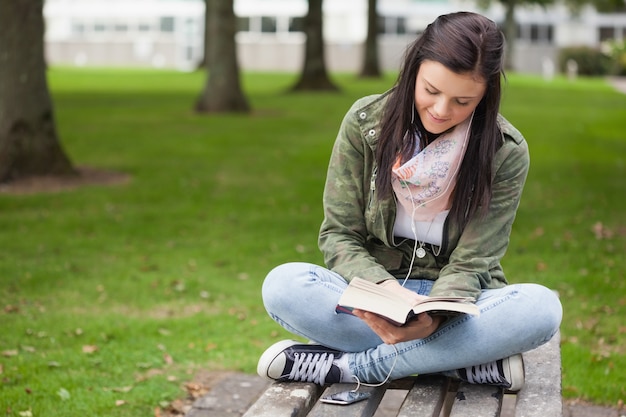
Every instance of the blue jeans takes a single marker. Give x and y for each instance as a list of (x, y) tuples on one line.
[(302, 297)]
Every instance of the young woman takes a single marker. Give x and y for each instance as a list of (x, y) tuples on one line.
[(422, 189)]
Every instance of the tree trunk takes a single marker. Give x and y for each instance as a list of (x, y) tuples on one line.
[(371, 67), (29, 145), (204, 62), (314, 75), (510, 33), (222, 91)]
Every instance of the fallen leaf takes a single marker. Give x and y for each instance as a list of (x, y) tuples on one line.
[(9, 353), (168, 359), (27, 413), (90, 349), (63, 394), (157, 412), (120, 402), (177, 407), (11, 309), (178, 286), (150, 373), (196, 390), (119, 389), (601, 231)]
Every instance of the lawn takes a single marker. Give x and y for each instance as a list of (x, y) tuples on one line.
[(113, 297)]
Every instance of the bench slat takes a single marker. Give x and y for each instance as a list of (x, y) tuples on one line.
[(425, 398), (477, 401), (365, 408), (293, 399)]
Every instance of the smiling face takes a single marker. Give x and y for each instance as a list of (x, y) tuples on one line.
[(443, 98)]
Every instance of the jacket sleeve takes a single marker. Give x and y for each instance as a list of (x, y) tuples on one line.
[(475, 262), (343, 233)]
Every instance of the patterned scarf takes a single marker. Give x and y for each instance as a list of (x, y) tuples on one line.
[(424, 184)]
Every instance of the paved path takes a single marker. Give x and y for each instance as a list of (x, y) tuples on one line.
[(619, 83)]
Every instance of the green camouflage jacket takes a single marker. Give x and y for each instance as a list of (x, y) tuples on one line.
[(356, 233)]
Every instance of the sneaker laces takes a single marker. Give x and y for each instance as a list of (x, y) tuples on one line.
[(487, 373), (311, 367)]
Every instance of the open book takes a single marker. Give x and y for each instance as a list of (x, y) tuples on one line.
[(368, 296)]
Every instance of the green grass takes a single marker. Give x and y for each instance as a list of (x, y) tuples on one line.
[(122, 293)]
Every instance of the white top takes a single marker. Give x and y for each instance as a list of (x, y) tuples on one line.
[(427, 232)]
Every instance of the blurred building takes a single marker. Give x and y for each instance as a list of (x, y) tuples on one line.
[(170, 33)]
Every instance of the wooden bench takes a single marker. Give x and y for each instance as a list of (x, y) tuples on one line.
[(428, 396)]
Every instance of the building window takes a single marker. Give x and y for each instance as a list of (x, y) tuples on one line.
[(606, 33), (268, 24), (536, 33), (78, 28), (296, 24), (167, 24), (392, 25)]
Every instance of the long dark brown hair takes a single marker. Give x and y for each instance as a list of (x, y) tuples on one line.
[(465, 43)]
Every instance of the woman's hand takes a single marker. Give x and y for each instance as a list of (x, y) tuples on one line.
[(418, 328)]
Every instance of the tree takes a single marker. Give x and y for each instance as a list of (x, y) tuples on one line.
[(29, 145), (603, 6), (314, 75), (222, 91), (204, 62), (509, 26), (510, 30), (371, 66)]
